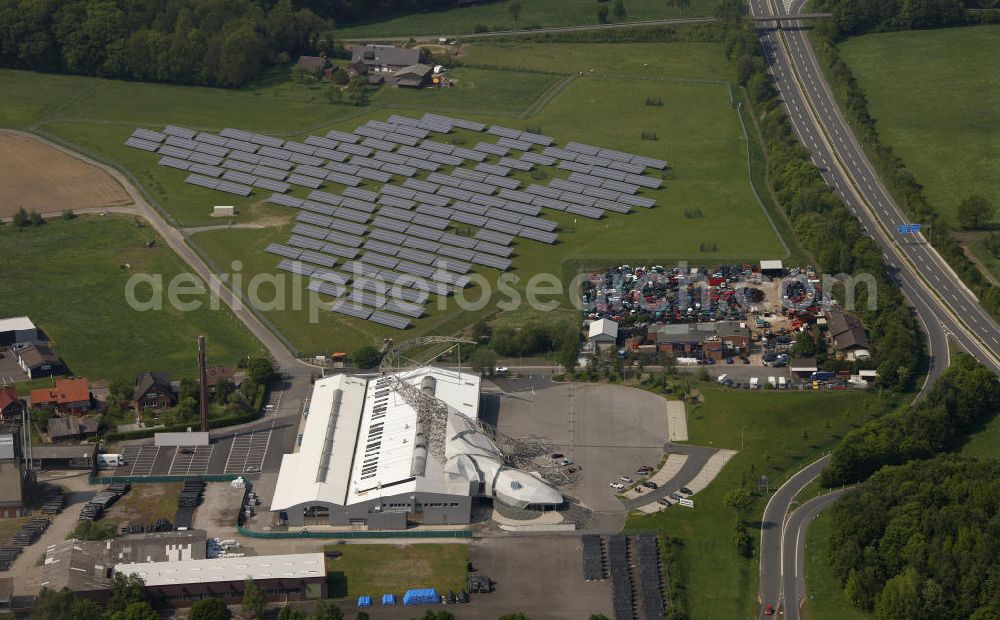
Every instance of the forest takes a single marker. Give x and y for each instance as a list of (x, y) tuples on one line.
[(967, 394), (922, 541), (200, 42), (853, 17)]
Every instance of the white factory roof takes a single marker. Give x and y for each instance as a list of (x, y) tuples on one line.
[(227, 569), (771, 264), (16, 323), (350, 450), (603, 327)]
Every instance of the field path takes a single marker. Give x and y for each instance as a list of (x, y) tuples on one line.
[(176, 240)]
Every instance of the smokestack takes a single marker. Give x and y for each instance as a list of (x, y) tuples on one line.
[(203, 380)]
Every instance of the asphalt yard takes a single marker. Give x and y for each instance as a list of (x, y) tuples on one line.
[(191, 460)]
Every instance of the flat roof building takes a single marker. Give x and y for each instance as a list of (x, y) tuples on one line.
[(370, 457)]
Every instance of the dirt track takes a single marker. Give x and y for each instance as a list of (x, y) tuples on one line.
[(37, 177)]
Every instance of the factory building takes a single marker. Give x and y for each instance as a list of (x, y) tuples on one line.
[(370, 455)]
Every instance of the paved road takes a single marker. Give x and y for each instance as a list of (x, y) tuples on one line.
[(697, 457), (793, 551), (944, 304), (772, 529)]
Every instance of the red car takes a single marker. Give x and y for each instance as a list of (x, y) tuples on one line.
[(769, 610)]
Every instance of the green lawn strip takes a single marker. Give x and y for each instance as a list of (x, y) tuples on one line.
[(825, 599), (71, 277), (534, 14), (937, 100), (374, 570), (779, 432), (985, 258)]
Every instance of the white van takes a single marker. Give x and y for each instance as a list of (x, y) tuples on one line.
[(772, 382), (782, 384), (753, 383), (109, 461)]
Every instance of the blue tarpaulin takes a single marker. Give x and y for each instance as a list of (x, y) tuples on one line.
[(426, 596), (388, 599), (364, 601)]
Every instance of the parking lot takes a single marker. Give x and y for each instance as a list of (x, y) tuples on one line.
[(607, 430), (248, 451)]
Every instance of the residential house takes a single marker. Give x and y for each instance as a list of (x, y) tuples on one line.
[(414, 76), (153, 392), (71, 427), (386, 59), (38, 360), (357, 68), (603, 332), (847, 336), (68, 396), (17, 331), (10, 405)]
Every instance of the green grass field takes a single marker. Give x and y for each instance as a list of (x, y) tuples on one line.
[(936, 96), (697, 130), (69, 278), (985, 257), (779, 431), (534, 14), (826, 599), (377, 569)]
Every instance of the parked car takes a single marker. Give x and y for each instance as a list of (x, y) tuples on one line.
[(557, 456), (686, 491), (617, 485), (649, 484), (675, 497), (252, 470), (663, 501), (769, 610), (626, 479), (645, 470), (565, 462)]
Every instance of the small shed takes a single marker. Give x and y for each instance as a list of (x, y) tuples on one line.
[(772, 268), (413, 76), (223, 211), (603, 331), (315, 65), (805, 366)]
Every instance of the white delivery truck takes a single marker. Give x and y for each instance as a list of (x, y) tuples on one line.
[(782, 384), (109, 461), (753, 383)]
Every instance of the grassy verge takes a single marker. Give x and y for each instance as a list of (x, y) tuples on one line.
[(946, 131), (374, 570), (985, 258), (778, 432), (826, 599), (71, 280), (497, 16)]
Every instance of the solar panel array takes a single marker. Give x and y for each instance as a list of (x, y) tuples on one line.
[(383, 245)]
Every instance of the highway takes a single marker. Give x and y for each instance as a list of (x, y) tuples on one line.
[(944, 305)]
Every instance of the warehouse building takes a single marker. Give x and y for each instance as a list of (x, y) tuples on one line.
[(368, 457), (17, 331)]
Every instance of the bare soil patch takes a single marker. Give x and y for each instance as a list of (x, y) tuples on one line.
[(41, 178)]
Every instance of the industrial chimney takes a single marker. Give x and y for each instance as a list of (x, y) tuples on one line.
[(203, 384)]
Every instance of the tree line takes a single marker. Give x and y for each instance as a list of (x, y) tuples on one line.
[(820, 220), (853, 17), (200, 42), (922, 541), (967, 394)]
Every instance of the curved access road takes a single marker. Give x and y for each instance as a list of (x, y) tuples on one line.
[(793, 551), (946, 307), (772, 533)]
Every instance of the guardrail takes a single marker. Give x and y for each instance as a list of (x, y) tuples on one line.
[(357, 534)]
